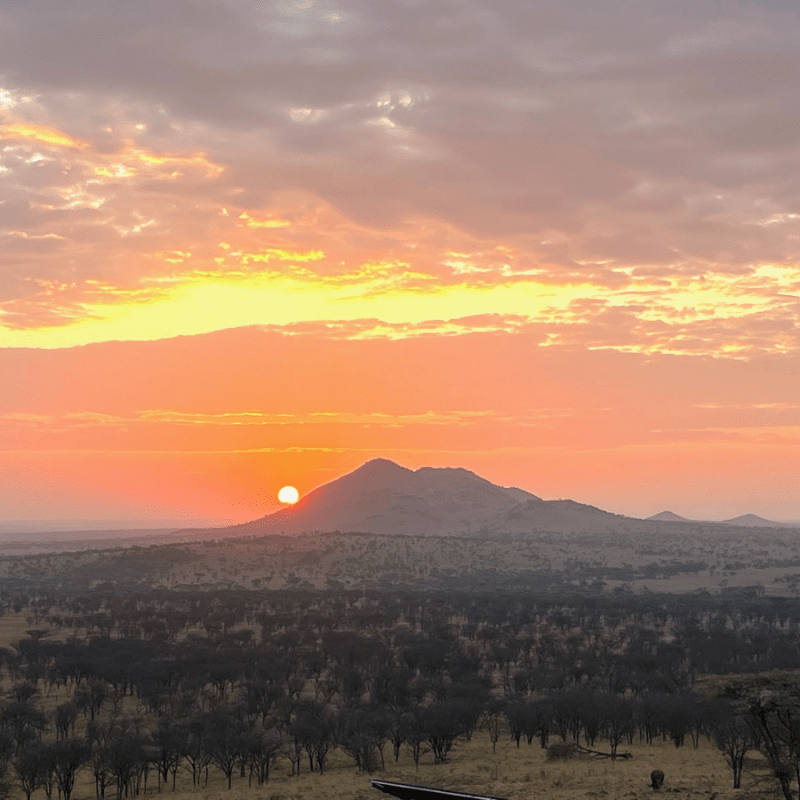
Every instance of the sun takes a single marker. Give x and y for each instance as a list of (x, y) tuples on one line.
[(288, 495)]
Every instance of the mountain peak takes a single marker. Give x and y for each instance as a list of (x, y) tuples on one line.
[(376, 463), (381, 496), (382, 466), (667, 516)]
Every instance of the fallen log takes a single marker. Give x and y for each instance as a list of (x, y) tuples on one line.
[(600, 754)]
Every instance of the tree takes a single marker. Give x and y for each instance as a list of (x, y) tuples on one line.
[(617, 713), (194, 747), (262, 748), (68, 757), (92, 697), (359, 733), (126, 760), (167, 742), (225, 741), (415, 734), (64, 719), (491, 722), (442, 724), (24, 721), (732, 733), (515, 714), (96, 735), (771, 702), (312, 729), (30, 764)]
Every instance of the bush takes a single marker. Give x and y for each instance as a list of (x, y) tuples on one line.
[(561, 751)]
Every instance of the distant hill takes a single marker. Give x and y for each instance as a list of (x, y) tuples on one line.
[(753, 521), (667, 516), (384, 497)]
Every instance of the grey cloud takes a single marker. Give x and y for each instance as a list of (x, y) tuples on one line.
[(512, 119)]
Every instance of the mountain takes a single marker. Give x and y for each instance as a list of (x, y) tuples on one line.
[(753, 521), (383, 497), (667, 516)]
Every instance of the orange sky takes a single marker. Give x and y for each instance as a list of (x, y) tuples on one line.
[(556, 246)]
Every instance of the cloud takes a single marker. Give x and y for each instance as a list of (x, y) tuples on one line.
[(639, 158)]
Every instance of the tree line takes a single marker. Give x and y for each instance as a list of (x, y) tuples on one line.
[(159, 684)]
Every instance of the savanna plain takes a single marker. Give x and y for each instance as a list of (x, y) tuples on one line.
[(297, 667)]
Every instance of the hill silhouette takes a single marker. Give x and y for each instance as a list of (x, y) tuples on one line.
[(667, 516), (753, 521), (383, 497)]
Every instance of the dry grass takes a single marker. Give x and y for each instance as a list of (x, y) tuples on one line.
[(13, 627), (516, 774), (735, 557)]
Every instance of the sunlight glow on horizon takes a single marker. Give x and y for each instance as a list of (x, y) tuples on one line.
[(567, 255)]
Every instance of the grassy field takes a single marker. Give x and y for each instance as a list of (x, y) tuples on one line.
[(666, 559), (516, 774), (522, 773), (13, 627)]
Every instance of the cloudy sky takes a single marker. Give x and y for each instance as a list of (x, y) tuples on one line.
[(244, 244)]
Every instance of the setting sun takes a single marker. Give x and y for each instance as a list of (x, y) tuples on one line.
[(288, 495)]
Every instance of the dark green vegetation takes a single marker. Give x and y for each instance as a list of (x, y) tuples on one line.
[(130, 688)]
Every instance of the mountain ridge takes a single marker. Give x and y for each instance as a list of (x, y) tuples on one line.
[(383, 497)]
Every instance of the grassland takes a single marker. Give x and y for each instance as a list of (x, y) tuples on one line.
[(516, 774), (670, 560)]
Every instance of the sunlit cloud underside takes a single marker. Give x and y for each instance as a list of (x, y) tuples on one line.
[(718, 315)]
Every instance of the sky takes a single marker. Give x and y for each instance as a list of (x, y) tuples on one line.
[(249, 244)]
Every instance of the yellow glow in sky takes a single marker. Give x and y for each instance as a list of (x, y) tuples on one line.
[(215, 303), (39, 133)]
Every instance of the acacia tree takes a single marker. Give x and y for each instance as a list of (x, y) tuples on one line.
[(618, 713), (96, 736), (127, 761), (312, 729), (64, 719), (442, 724), (262, 748), (771, 703), (91, 698), (68, 757), (225, 741), (194, 747), (167, 740), (29, 764), (491, 722), (360, 731), (732, 733)]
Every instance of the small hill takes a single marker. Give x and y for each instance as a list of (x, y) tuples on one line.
[(753, 521), (667, 516)]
